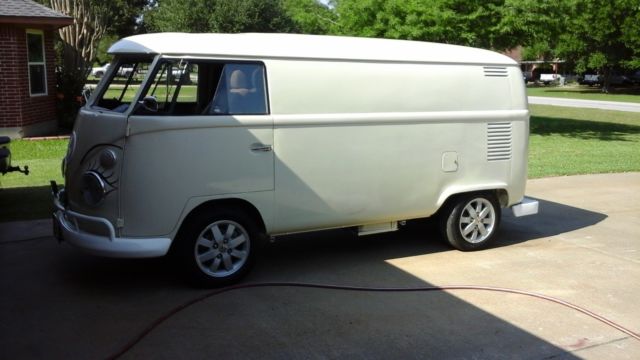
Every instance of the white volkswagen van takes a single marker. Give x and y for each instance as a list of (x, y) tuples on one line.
[(212, 142)]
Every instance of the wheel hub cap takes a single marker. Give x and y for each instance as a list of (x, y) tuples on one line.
[(477, 220), (222, 248)]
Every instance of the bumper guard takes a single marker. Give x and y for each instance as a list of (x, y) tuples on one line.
[(66, 229)]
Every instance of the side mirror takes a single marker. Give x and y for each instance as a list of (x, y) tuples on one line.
[(149, 103)]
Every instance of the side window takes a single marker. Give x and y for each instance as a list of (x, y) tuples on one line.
[(240, 91), (204, 87)]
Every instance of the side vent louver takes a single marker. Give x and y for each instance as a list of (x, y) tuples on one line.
[(498, 141), (495, 71)]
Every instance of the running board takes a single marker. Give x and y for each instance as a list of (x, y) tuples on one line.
[(377, 228)]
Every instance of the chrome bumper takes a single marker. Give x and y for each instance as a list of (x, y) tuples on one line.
[(66, 228), (528, 206)]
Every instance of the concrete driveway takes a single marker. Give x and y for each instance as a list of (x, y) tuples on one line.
[(584, 248)]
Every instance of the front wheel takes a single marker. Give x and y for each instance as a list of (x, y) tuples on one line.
[(216, 248), (470, 221)]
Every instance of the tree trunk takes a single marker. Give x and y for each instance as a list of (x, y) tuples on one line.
[(79, 41), (606, 82)]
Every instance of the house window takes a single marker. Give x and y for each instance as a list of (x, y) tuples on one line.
[(36, 63)]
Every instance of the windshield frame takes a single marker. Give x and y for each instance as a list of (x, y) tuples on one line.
[(103, 84)]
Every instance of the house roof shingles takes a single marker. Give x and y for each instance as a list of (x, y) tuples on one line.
[(30, 12)]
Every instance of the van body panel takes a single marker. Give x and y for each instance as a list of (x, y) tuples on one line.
[(383, 88), (518, 92), (261, 200), (187, 157), (340, 175), (297, 46)]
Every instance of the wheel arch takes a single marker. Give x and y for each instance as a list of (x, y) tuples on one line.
[(234, 204), (450, 218), (501, 195)]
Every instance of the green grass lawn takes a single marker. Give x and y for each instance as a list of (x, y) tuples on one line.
[(570, 141), (585, 93), (43, 158), (563, 141), (188, 93), (26, 197)]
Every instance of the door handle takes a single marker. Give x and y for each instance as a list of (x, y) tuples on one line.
[(261, 147)]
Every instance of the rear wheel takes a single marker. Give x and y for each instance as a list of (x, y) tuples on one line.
[(469, 222), (216, 248)]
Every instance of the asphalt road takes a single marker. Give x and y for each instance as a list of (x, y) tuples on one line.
[(593, 104), (583, 247)]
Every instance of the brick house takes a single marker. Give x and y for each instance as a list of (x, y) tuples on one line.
[(27, 68)]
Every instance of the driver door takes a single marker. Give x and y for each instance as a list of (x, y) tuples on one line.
[(196, 141)]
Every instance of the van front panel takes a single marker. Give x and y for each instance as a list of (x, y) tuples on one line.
[(96, 136)]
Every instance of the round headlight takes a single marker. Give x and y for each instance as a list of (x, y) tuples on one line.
[(108, 159), (94, 188)]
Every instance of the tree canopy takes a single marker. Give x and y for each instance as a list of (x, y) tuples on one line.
[(590, 34), (218, 16), (491, 24), (231, 16), (596, 35), (602, 35)]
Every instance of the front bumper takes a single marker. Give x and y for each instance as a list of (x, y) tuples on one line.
[(66, 228)]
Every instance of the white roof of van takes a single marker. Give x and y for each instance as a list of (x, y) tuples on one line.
[(263, 46)]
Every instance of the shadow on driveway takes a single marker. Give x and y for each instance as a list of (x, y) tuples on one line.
[(552, 219), (58, 303)]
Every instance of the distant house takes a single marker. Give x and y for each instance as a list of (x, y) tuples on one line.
[(533, 68), (27, 67)]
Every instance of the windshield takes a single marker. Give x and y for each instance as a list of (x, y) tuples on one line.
[(121, 87)]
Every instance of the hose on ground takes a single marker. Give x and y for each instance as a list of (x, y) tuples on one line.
[(134, 341)]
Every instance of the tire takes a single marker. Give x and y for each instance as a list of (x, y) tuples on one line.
[(470, 221), (216, 247)]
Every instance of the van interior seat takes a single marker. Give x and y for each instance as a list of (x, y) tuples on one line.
[(239, 94), (238, 82), (242, 94)]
